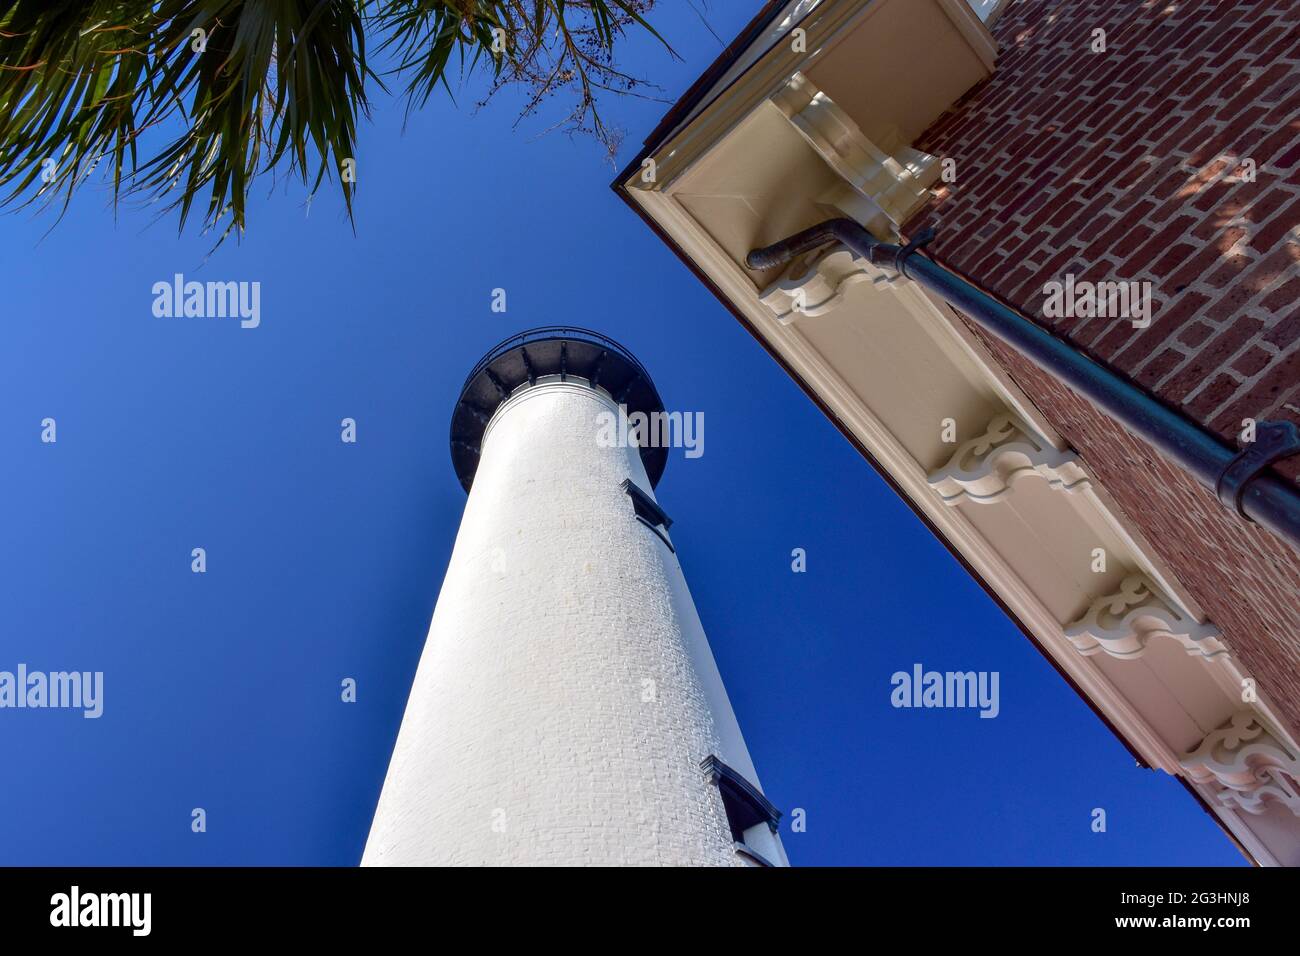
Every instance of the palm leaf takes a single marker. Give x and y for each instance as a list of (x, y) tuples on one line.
[(191, 119)]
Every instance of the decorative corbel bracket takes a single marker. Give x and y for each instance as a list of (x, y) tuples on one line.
[(984, 469), (1123, 623), (1249, 763), (897, 182), (815, 283)]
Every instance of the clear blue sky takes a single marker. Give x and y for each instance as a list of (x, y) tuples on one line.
[(324, 559)]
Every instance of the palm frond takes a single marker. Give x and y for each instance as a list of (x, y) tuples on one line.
[(189, 101)]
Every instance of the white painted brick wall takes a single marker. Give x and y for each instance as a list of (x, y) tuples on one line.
[(527, 704)]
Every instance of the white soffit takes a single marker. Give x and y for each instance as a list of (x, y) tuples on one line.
[(878, 29), (896, 367)]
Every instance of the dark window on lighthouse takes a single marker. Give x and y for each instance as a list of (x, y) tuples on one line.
[(648, 512), (745, 806)]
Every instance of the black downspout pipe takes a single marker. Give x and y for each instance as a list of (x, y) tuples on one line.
[(1240, 479)]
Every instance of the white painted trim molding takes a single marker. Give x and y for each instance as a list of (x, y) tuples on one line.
[(1012, 499), (899, 185), (984, 469), (816, 284), (1249, 764), (1123, 623)]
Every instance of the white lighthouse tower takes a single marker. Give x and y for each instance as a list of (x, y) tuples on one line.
[(567, 708)]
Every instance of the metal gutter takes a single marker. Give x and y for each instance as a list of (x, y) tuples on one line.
[(1240, 478)]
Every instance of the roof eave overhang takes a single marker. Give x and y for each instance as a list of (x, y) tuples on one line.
[(718, 108)]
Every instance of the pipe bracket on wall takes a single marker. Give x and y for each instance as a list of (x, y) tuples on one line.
[(917, 243), (1274, 440)]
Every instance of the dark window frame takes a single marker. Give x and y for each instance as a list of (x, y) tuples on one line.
[(745, 806), (648, 512)]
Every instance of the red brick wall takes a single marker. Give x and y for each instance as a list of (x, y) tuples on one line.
[(1130, 165)]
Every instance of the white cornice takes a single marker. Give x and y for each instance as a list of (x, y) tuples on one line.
[(984, 469), (991, 566), (816, 284), (837, 323), (758, 83), (1123, 623), (824, 28), (1250, 765), (898, 186)]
